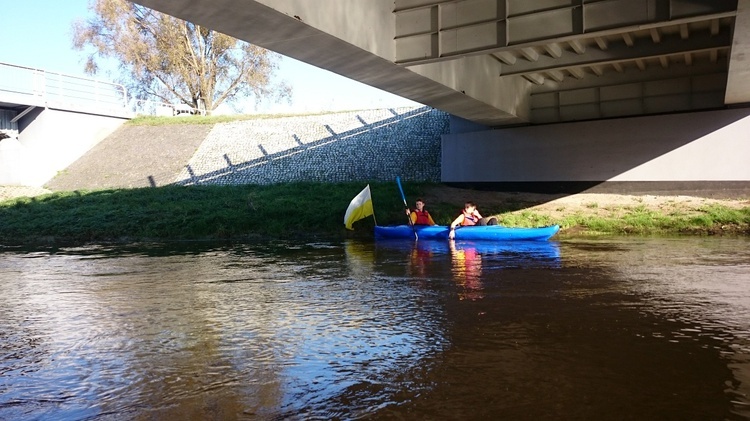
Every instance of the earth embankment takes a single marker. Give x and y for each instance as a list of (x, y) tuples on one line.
[(133, 156)]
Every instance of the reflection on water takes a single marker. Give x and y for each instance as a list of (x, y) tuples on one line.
[(223, 332), (588, 329), (467, 270), (467, 258)]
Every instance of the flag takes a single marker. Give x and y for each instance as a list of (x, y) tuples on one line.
[(360, 207)]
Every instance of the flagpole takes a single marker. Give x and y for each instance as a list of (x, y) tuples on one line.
[(373, 208)]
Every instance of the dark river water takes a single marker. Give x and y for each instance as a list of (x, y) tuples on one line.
[(587, 329)]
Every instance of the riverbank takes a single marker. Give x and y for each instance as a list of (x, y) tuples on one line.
[(589, 213), (293, 210)]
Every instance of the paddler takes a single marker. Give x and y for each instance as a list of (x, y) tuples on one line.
[(420, 216), (470, 216)]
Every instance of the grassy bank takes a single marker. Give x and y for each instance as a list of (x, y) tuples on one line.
[(707, 220), (190, 213), (148, 120), (302, 210)]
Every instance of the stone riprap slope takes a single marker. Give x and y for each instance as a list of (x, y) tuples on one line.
[(368, 145)]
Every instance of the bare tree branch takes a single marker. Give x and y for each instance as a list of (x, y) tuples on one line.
[(169, 59)]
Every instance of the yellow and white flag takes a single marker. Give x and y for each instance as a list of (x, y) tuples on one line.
[(359, 208)]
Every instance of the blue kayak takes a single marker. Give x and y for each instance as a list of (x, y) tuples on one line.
[(474, 233)]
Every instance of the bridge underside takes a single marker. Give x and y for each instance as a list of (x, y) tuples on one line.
[(510, 62), (554, 65)]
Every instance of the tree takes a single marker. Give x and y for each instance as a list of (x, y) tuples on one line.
[(163, 57)]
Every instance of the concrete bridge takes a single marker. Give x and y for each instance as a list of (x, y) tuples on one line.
[(51, 119), (554, 95)]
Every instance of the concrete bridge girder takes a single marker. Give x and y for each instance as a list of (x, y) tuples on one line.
[(491, 61), (361, 49), (738, 84), (583, 57)]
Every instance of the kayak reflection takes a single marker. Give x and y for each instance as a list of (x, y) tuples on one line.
[(467, 271), (510, 252), (466, 262)]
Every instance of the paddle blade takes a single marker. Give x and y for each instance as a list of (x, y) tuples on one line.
[(400, 189)]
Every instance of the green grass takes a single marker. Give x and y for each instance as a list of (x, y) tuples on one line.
[(526, 219), (189, 213), (295, 210), (642, 221), (191, 119), (200, 119)]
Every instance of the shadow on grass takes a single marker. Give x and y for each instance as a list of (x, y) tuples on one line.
[(179, 213)]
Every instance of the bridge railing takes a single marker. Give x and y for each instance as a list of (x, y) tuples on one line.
[(29, 86)]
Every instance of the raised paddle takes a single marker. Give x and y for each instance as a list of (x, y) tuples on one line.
[(406, 206)]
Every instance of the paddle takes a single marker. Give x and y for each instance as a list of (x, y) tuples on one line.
[(406, 206)]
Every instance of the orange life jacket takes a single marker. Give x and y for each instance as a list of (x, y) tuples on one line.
[(423, 217), (469, 219)]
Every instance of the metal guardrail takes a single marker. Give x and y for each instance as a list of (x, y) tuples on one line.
[(37, 87)]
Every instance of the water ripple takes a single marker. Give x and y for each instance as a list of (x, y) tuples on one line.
[(321, 331)]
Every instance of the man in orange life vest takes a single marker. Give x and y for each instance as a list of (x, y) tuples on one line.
[(420, 216), (468, 217)]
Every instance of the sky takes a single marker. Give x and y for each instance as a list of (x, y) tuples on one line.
[(38, 34)]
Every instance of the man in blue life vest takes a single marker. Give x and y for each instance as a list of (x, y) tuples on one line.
[(420, 216), (470, 216)]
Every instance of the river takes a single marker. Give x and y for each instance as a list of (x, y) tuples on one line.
[(592, 328)]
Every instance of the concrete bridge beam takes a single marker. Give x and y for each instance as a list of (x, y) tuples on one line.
[(738, 81), (355, 38), (502, 63)]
